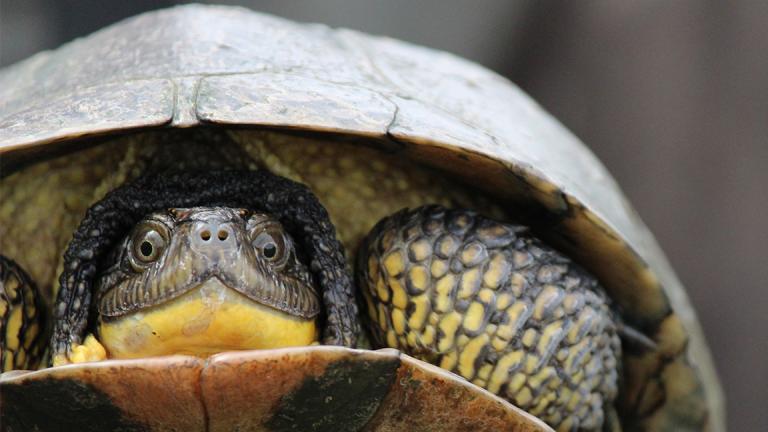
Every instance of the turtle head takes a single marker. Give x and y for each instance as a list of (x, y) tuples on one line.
[(242, 260), (203, 280)]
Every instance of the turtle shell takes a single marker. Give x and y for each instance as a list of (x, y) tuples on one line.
[(231, 67), (319, 388)]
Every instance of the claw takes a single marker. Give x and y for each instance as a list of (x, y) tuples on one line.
[(90, 350)]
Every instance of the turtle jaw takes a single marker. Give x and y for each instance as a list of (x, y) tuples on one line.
[(208, 319)]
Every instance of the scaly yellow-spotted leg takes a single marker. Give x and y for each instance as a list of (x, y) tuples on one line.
[(22, 319), (90, 350), (488, 301)]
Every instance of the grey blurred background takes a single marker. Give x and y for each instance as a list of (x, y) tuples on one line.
[(672, 96)]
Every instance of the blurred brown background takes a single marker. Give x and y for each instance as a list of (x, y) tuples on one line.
[(672, 96)]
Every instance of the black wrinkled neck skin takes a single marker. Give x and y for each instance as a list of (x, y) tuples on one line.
[(294, 205)]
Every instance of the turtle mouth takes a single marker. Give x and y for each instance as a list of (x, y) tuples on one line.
[(153, 289), (211, 317)]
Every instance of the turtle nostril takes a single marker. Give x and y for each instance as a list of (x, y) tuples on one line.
[(223, 235), (205, 235)]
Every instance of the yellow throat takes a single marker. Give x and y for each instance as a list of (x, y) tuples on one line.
[(209, 319)]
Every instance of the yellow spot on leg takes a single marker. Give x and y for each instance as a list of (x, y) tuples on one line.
[(12, 332), (448, 326), (498, 271), (523, 398), (420, 250), (399, 296), (500, 374), (398, 321), (475, 317), (449, 361), (470, 283), (394, 263), (418, 317), (438, 268), (443, 289), (382, 290), (418, 276), (470, 354)]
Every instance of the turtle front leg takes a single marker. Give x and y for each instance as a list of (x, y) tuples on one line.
[(493, 304), (22, 319), (90, 350)]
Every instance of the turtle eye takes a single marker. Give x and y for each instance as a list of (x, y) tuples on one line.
[(148, 242), (271, 245)]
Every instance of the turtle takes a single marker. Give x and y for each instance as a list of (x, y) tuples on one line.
[(425, 236)]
